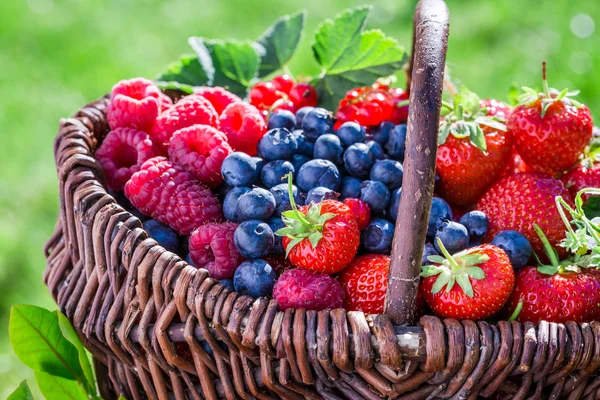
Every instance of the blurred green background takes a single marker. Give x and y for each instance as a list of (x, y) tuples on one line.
[(57, 55)]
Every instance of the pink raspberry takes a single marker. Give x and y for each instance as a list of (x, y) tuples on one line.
[(200, 150), (122, 153), (136, 103), (190, 110), (212, 248), (218, 97), (170, 195), (244, 126), (300, 288)]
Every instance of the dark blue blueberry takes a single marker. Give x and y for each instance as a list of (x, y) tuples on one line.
[(350, 187), (516, 246), (253, 238), (350, 133), (477, 225), (377, 237), (396, 145), (258, 203), (254, 278), (428, 250), (301, 113), (282, 197), (440, 211), (317, 122), (138, 214), (376, 195), (453, 235), (239, 169), (381, 134), (277, 144), (394, 204), (318, 173), (329, 147), (305, 147), (375, 150), (165, 236), (260, 164), (388, 172), (231, 201), (358, 161), (222, 190), (299, 160), (282, 119), (228, 283), (319, 193), (276, 224), (274, 172)]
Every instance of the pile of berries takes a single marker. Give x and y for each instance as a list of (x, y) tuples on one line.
[(278, 197)]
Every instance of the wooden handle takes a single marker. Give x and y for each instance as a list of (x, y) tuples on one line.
[(426, 77)]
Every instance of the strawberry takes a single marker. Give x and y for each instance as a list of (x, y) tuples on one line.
[(484, 278), (550, 129), (361, 211), (321, 237), (516, 164), (518, 201), (473, 151), (586, 173), (495, 108)]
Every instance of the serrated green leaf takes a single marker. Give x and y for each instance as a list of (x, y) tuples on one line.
[(291, 245), (172, 85), (436, 259), (476, 272), (314, 239), (284, 231), (325, 217), (57, 388), (477, 137), (442, 280), (69, 333), (548, 269), (465, 284), (189, 70), (470, 259), (22, 392), (451, 283), (278, 43), (430, 270), (38, 342)]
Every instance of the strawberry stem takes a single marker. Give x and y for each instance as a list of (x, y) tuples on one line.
[(299, 215), (559, 206), (548, 249), (448, 256), (517, 311)]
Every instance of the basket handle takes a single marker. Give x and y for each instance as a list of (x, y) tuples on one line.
[(426, 77)]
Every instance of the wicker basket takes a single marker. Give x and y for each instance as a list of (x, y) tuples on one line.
[(139, 308)]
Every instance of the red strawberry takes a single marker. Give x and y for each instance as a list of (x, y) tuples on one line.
[(320, 237), (516, 164), (365, 282), (518, 201), (361, 211), (495, 108), (550, 129), (582, 177), (472, 284)]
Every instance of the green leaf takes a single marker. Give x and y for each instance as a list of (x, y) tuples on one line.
[(57, 388), (513, 94), (21, 393), (189, 70), (548, 269), (430, 270), (314, 239), (475, 273), (436, 259), (470, 259), (69, 333), (172, 85), (37, 340), (278, 43), (591, 208), (442, 280), (465, 284), (235, 63), (443, 134), (477, 137), (291, 245)]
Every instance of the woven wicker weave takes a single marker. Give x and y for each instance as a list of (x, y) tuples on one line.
[(143, 312)]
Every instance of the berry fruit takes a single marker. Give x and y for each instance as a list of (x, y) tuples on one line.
[(244, 126), (253, 238), (165, 236), (328, 147), (350, 133), (239, 169), (254, 278), (365, 283), (388, 172), (303, 95), (257, 203), (318, 173), (211, 247), (277, 144), (358, 160), (361, 211), (218, 97), (440, 211), (453, 235), (350, 187), (299, 288), (477, 224), (377, 236), (317, 122), (319, 193), (230, 202), (282, 119), (273, 172), (396, 144), (516, 246), (376, 195)]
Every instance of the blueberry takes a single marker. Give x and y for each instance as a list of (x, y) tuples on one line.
[(301, 113), (222, 190), (231, 201), (258, 203), (277, 144), (375, 150), (453, 235), (318, 173), (350, 187), (260, 164), (317, 122), (394, 204), (516, 246), (428, 250), (239, 169), (377, 236), (228, 283), (350, 133), (305, 147), (282, 119), (329, 147), (254, 278), (396, 145), (319, 193), (282, 197), (274, 172), (376, 195), (165, 236), (276, 224), (358, 161), (253, 238), (388, 172), (440, 211), (381, 134), (477, 224), (299, 160)]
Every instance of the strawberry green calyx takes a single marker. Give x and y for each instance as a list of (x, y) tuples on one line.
[(299, 226), (556, 266), (457, 268)]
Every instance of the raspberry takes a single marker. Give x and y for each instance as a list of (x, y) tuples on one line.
[(303, 95), (190, 110), (244, 126), (167, 193), (135, 103), (299, 288), (212, 248), (122, 153), (361, 211), (218, 97), (200, 150)]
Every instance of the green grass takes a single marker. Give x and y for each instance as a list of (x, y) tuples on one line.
[(57, 55)]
